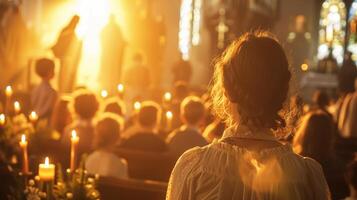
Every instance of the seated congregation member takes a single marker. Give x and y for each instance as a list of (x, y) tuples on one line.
[(84, 107), (61, 116), (251, 82), (114, 105), (321, 101), (347, 116), (103, 161), (189, 134), (44, 96), (351, 179), (315, 139), (146, 136)]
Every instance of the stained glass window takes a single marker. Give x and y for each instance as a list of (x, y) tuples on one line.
[(332, 30), (352, 35)]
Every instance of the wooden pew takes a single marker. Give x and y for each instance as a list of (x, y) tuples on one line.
[(148, 165), (131, 189)]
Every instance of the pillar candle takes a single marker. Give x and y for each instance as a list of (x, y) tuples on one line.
[(8, 94), (2, 119), (169, 117), (121, 90), (137, 106), (17, 107), (46, 171), (25, 163), (74, 144)]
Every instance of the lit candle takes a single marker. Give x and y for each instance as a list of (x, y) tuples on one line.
[(17, 107), (33, 116), (137, 106), (8, 91), (121, 90), (74, 144), (2, 119), (169, 117), (104, 94), (46, 171), (23, 145), (167, 97)]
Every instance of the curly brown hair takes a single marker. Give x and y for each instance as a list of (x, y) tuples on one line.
[(253, 74)]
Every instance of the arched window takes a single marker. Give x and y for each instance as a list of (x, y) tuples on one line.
[(332, 30), (352, 35)]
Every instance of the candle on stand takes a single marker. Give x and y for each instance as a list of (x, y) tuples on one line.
[(46, 171), (8, 94), (8, 91), (33, 117), (121, 90), (137, 106), (167, 97), (104, 94), (74, 144), (2, 119), (169, 117), (17, 107), (25, 162)]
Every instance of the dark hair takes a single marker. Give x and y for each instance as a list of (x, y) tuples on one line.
[(181, 89), (107, 130), (85, 104), (315, 136), (192, 110), (321, 99), (351, 174), (44, 67), (253, 73), (149, 114), (114, 105)]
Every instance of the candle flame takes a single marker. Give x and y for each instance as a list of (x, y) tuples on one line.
[(23, 138), (47, 161), (104, 94), (74, 134), (17, 106), (2, 119), (169, 115), (167, 96), (120, 88), (8, 90), (33, 116), (137, 105)]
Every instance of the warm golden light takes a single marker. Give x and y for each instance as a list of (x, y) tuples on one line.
[(2, 119), (137, 106), (74, 135), (47, 161), (169, 115), (8, 91), (120, 88), (304, 67), (104, 94), (167, 96), (33, 116), (23, 138), (46, 171), (17, 107)]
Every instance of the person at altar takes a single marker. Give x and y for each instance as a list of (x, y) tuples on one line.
[(67, 49), (113, 46)]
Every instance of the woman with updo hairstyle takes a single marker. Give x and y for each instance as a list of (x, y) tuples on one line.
[(250, 86)]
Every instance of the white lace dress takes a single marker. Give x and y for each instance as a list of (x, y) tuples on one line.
[(223, 171)]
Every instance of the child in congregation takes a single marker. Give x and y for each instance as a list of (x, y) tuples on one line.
[(188, 135), (103, 161), (114, 105), (44, 96), (84, 107)]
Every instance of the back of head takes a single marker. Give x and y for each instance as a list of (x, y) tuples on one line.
[(61, 116), (315, 136), (107, 130), (85, 104), (45, 68), (149, 114), (114, 105), (192, 110), (351, 174), (252, 74), (321, 99), (181, 90)]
